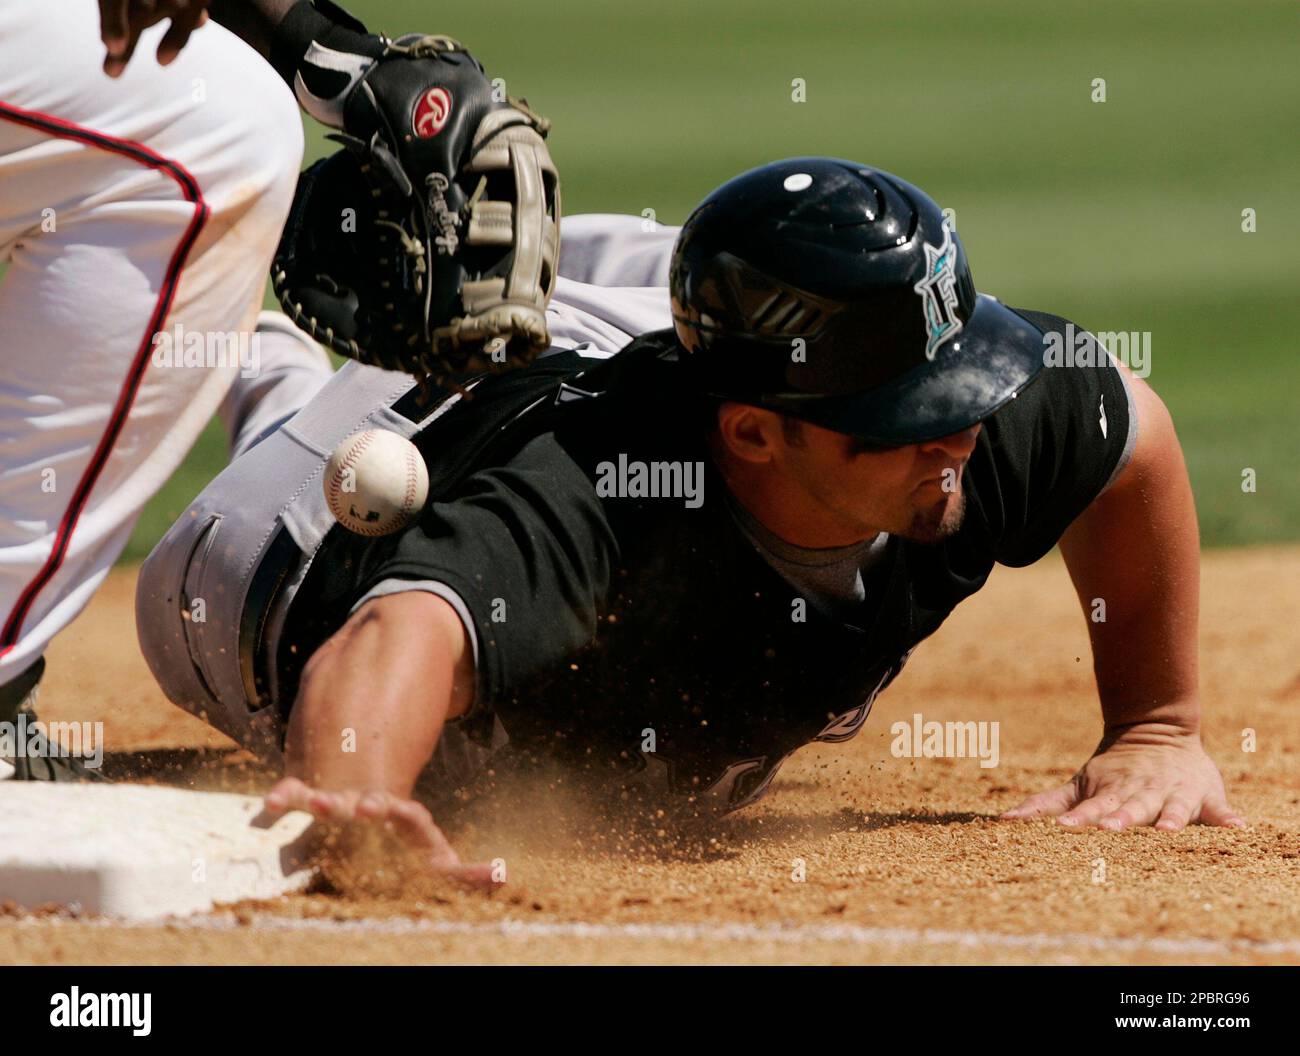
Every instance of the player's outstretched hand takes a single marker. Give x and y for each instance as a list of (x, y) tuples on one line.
[(404, 824), (1147, 774), (122, 21)]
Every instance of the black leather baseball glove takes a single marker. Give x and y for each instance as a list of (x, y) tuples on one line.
[(429, 243)]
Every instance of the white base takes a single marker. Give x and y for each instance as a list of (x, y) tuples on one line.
[(138, 852)]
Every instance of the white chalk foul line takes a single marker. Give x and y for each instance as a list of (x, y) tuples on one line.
[(848, 934)]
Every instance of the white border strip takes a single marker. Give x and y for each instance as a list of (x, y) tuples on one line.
[(848, 934)]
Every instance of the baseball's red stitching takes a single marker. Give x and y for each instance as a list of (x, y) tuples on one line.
[(336, 481)]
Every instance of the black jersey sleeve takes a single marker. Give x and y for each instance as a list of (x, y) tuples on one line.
[(527, 547), (1054, 448)]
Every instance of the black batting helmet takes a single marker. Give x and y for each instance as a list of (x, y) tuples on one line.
[(836, 293)]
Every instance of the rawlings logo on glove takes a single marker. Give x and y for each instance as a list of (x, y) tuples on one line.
[(429, 243), (431, 112)]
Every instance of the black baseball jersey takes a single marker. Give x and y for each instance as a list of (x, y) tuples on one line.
[(641, 636)]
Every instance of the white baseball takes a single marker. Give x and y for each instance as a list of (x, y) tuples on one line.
[(376, 482)]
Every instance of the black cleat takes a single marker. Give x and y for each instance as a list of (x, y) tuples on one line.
[(37, 759)]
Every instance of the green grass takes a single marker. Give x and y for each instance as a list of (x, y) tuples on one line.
[(1123, 215)]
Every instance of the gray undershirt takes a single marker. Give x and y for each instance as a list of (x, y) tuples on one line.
[(832, 578)]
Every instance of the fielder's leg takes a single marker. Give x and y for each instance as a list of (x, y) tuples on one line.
[(148, 205)]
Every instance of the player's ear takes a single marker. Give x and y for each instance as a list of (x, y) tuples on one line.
[(749, 433)]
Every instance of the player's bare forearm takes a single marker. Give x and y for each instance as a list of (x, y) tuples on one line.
[(1135, 551), (393, 674), (396, 671), (388, 680)]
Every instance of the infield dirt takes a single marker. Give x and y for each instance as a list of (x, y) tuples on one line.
[(903, 860)]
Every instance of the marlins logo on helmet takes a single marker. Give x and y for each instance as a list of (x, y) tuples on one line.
[(938, 292)]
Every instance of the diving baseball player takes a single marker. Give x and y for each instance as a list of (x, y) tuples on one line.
[(140, 214), (708, 527)]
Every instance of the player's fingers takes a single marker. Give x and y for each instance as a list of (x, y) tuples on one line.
[(408, 820), (115, 63), (1178, 809), (416, 823), (416, 827), (287, 794), (113, 24), (1215, 811), (336, 807), (1141, 808), (185, 20), (1045, 804), (413, 825), (1089, 811), (478, 876), (383, 807), (371, 805)]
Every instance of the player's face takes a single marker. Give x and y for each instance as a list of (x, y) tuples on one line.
[(913, 491)]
